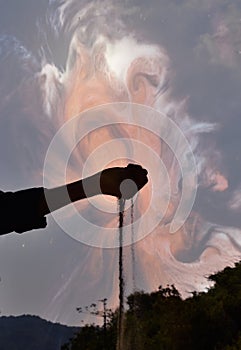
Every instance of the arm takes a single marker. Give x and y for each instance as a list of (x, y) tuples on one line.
[(107, 182), (25, 210)]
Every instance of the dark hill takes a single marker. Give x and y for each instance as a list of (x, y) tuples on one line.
[(32, 333)]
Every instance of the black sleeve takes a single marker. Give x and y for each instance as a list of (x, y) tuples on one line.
[(20, 211)]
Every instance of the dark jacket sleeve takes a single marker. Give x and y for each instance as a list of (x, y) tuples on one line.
[(20, 211)]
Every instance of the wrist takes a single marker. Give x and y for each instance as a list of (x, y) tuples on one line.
[(91, 185)]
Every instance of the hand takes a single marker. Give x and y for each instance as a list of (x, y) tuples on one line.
[(123, 182)]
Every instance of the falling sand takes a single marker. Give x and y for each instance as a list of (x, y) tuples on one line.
[(121, 205), (121, 316)]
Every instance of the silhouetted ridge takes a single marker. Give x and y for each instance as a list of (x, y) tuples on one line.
[(33, 333)]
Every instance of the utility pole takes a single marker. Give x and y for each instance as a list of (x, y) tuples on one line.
[(105, 314), (104, 301)]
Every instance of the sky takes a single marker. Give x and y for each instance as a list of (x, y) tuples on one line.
[(61, 58)]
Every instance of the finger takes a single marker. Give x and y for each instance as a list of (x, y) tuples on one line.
[(134, 167), (142, 182), (138, 175)]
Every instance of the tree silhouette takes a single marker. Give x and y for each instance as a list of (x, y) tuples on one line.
[(162, 320)]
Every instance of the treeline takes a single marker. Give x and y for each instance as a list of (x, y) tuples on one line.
[(163, 321)]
